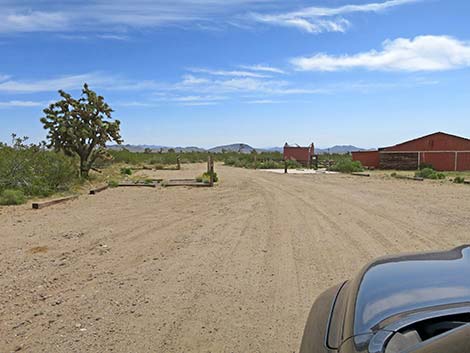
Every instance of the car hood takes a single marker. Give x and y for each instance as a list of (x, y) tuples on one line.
[(392, 287)]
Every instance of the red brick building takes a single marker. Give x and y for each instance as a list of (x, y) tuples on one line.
[(443, 151), (303, 155)]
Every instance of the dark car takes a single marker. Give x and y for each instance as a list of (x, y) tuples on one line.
[(414, 303)]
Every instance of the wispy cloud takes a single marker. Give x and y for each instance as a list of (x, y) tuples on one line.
[(32, 21), (197, 104), (423, 53), (324, 19), (263, 68), (72, 82), (113, 37), (264, 101), (99, 15), (234, 73), (21, 104)]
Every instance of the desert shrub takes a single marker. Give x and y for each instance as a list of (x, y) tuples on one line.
[(347, 166), (12, 197), (459, 180), (230, 161), (206, 178), (429, 173), (113, 184), (126, 171), (35, 170)]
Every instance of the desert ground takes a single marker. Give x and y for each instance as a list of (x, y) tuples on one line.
[(234, 268)]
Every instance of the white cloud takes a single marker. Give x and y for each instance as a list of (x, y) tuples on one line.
[(54, 84), (113, 37), (100, 15), (197, 98), (263, 68), (423, 53), (197, 104), (21, 104), (323, 19), (70, 82), (263, 101), (233, 73), (32, 21)]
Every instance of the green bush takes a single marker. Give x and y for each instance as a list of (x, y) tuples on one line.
[(126, 171), (12, 197), (429, 173), (35, 170), (459, 180), (113, 184), (347, 166)]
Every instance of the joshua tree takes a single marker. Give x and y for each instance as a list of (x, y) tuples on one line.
[(81, 127)]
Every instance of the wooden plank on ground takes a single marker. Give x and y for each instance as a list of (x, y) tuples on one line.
[(187, 182), (97, 190), (149, 185), (39, 205), (466, 182), (361, 174), (182, 180)]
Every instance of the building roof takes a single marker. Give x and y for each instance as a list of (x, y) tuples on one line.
[(439, 133)]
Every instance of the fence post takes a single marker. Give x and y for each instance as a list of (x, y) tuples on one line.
[(285, 167), (210, 170), (178, 164)]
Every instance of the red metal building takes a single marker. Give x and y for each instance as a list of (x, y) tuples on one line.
[(303, 155), (443, 151)]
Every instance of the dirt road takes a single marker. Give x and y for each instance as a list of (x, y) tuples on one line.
[(229, 269)]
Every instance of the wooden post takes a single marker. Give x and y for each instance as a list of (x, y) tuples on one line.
[(285, 167), (178, 164), (210, 170)]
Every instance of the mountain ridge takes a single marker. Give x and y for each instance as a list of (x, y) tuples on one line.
[(235, 147)]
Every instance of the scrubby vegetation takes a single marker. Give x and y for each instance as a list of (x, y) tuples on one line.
[(32, 170), (263, 160), (113, 184), (12, 197), (459, 180), (429, 173), (126, 171), (206, 178), (347, 166)]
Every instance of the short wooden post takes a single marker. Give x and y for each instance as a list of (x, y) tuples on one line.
[(178, 163), (285, 167), (210, 170)]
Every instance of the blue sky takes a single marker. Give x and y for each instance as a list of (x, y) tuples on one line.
[(263, 72)]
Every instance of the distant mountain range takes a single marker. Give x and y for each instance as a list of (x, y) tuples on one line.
[(236, 147)]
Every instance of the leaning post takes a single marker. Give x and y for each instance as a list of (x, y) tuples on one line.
[(210, 170)]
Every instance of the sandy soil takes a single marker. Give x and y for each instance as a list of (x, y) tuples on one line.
[(229, 269)]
